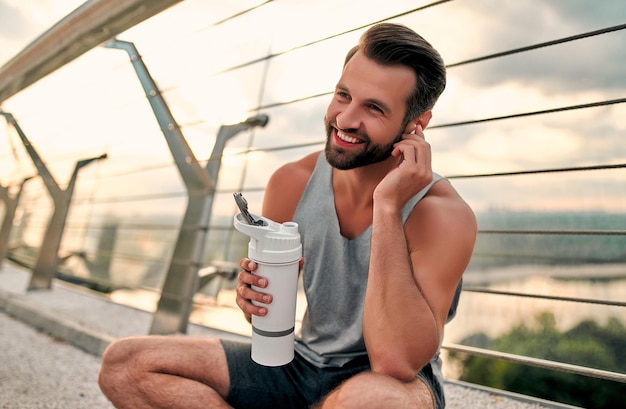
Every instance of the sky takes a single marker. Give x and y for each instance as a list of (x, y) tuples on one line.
[(585, 71), (21, 22)]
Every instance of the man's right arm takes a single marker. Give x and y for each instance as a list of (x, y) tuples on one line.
[(285, 188)]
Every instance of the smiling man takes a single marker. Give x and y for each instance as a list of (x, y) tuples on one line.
[(386, 241)]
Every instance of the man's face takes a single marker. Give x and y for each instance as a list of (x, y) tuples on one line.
[(364, 118)]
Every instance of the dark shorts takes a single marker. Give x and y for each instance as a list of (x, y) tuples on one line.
[(299, 384)]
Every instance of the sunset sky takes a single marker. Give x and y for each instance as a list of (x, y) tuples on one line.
[(94, 103)]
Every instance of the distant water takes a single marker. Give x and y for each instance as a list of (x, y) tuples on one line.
[(495, 314)]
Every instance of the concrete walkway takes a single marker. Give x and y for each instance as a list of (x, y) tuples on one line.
[(51, 343)]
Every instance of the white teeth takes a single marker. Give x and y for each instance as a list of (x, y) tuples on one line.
[(347, 138)]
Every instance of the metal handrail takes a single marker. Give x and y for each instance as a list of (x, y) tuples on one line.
[(536, 362), (546, 297), (576, 232)]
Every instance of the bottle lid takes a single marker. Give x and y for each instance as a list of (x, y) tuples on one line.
[(271, 242)]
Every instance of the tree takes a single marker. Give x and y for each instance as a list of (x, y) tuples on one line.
[(587, 344)]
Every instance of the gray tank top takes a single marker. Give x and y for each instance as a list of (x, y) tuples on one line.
[(335, 275)]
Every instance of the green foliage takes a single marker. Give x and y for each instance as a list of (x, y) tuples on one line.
[(587, 344)]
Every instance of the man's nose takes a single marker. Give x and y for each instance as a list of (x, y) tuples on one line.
[(348, 118)]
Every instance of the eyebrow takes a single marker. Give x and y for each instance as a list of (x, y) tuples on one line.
[(374, 101)]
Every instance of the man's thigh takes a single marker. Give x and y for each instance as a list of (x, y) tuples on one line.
[(198, 359)]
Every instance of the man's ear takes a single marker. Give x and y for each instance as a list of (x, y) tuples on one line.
[(421, 120), (424, 119)]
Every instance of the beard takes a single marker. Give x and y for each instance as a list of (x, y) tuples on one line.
[(345, 159)]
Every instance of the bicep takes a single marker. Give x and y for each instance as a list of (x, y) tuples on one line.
[(439, 255)]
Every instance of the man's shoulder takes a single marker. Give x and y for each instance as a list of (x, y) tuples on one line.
[(296, 172), (286, 186), (306, 163), (444, 208)]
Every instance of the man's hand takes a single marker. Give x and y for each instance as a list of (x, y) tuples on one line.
[(245, 294), (413, 173)]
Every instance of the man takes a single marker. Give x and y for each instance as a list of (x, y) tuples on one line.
[(385, 244)]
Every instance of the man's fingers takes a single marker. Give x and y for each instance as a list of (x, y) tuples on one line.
[(248, 293), (246, 277), (247, 264)]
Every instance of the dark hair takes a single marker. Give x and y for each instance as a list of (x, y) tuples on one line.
[(395, 44)]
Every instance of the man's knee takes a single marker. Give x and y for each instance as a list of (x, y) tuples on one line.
[(365, 390), (118, 353), (115, 363), (370, 390)]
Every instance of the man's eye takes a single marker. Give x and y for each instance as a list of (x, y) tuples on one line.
[(375, 108)]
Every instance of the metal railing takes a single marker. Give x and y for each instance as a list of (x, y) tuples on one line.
[(24, 71)]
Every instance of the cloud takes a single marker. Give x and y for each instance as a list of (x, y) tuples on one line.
[(529, 145), (584, 11), (14, 24), (592, 63), (22, 21)]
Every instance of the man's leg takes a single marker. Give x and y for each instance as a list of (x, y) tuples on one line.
[(368, 390), (165, 372)]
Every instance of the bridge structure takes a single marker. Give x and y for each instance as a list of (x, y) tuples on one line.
[(209, 98)]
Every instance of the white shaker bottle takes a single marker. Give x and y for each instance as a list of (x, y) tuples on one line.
[(277, 250)]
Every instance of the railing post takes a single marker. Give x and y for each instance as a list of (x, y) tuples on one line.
[(181, 281), (48, 258), (10, 205)]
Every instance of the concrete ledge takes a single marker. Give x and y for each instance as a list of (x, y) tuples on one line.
[(86, 320), (530, 400), (87, 339)]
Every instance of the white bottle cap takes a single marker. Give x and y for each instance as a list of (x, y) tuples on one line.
[(271, 242)]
